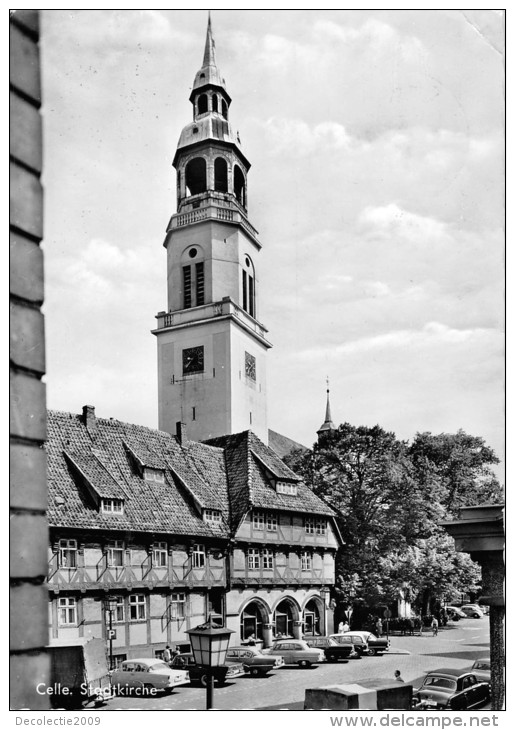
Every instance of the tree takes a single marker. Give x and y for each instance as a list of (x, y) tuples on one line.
[(461, 464), (389, 499)]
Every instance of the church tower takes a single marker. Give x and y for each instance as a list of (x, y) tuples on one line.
[(211, 346)]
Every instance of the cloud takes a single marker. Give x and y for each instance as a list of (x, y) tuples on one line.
[(432, 335), (297, 137), (391, 220)]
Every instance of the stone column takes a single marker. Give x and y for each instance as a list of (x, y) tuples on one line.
[(297, 629), (268, 635)]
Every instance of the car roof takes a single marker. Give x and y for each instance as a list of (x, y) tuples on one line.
[(245, 647), (143, 660), (449, 672)]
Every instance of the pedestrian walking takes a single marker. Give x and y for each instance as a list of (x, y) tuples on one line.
[(167, 655), (397, 676), (379, 627), (345, 628), (434, 626)]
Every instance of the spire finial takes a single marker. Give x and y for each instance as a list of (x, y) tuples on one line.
[(209, 50)]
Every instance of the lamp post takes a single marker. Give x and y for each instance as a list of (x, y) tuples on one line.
[(110, 606), (209, 644)]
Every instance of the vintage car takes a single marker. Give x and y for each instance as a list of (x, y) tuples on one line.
[(142, 677), (472, 610), (376, 645), (451, 689), (253, 660), (360, 645), (455, 613), (296, 651), (198, 673), (481, 669), (333, 651)]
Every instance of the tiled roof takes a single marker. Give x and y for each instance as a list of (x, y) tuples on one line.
[(249, 463), (148, 506)]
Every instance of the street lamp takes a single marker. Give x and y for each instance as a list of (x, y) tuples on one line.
[(209, 644), (110, 604)]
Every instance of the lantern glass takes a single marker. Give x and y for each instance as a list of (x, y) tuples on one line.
[(209, 644), (110, 604)]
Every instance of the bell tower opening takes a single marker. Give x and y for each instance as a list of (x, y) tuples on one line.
[(196, 176), (220, 175), (239, 185)]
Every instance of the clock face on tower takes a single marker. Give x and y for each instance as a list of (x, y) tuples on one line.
[(193, 360), (250, 366)]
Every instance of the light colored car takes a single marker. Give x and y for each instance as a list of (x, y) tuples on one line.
[(455, 613), (143, 677), (375, 644), (472, 610), (360, 645), (481, 669), (253, 659), (296, 651)]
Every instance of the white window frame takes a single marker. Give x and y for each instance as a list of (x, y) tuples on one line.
[(309, 525), (286, 488), (258, 520), (67, 549), (112, 506), (213, 515), (198, 556), (268, 559), (271, 522), (115, 547), (178, 605), (151, 474), (138, 606), (160, 555), (119, 611), (67, 611), (306, 561), (320, 526), (253, 559)]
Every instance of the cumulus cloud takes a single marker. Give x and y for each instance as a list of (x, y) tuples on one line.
[(297, 137), (391, 220)]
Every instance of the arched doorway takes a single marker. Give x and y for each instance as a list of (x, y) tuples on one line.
[(314, 618), (252, 620), (285, 614)]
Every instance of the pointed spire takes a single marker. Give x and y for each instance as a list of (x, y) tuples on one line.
[(209, 50), (328, 426)]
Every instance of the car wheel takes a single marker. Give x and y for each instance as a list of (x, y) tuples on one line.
[(304, 664), (203, 680), (372, 652), (255, 671), (332, 658)]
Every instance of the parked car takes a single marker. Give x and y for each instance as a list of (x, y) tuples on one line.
[(296, 651), (455, 613), (198, 673), (451, 689), (253, 659), (360, 645), (333, 651), (481, 669), (139, 676), (376, 645), (472, 610)]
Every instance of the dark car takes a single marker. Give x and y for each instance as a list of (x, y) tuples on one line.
[(253, 659), (333, 651), (376, 644), (360, 645), (198, 673), (451, 689)]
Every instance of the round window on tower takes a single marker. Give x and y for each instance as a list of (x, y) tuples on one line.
[(192, 253)]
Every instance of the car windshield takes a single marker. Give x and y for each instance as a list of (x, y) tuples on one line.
[(157, 667), (331, 642), (441, 682)]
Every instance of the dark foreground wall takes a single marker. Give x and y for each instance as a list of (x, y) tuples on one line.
[(29, 662)]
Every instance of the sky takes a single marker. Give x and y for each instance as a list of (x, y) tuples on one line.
[(376, 139)]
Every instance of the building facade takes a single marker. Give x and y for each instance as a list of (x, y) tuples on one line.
[(175, 530)]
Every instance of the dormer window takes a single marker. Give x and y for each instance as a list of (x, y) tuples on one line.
[(213, 516), (286, 488), (114, 506), (315, 526), (153, 475)]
